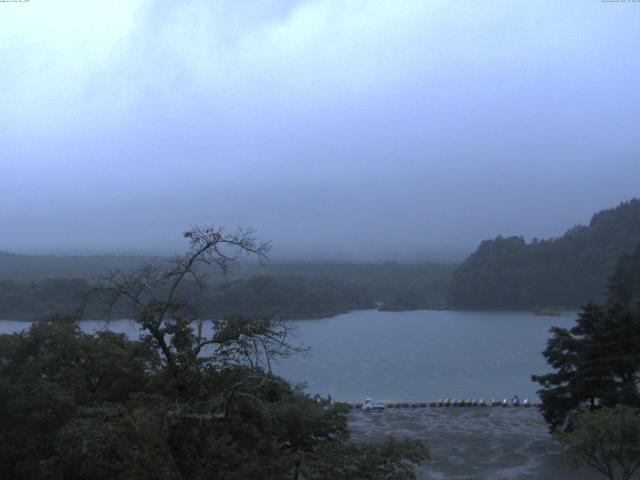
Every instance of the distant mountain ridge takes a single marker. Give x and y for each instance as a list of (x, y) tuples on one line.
[(509, 273)]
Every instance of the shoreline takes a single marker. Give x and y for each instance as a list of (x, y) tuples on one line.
[(555, 313), (472, 443)]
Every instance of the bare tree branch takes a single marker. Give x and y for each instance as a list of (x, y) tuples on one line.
[(174, 325)]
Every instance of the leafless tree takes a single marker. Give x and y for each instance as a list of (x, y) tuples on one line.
[(173, 324)]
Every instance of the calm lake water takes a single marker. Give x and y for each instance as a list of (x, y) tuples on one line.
[(423, 355), (410, 356)]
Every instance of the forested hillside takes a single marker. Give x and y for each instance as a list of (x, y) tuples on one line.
[(281, 297), (34, 286), (624, 284), (566, 271), (285, 297)]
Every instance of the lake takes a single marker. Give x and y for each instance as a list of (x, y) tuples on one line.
[(421, 356), (415, 356)]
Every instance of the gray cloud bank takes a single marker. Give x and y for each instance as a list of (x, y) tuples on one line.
[(353, 129)]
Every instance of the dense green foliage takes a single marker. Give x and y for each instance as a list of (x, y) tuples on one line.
[(182, 402), (74, 405), (293, 290), (569, 271), (397, 286), (283, 297), (624, 284), (36, 300), (596, 363), (607, 441)]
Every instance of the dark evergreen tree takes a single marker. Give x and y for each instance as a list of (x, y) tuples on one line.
[(624, 284), (597, 361)]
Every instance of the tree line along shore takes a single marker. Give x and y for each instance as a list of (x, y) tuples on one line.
[(506, 273)]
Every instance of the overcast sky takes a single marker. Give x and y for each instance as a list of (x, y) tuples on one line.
[(352, 129)]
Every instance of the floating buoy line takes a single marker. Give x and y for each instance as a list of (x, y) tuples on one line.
[(455, 403)]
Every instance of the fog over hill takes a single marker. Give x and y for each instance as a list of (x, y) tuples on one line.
[(352, 130)]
